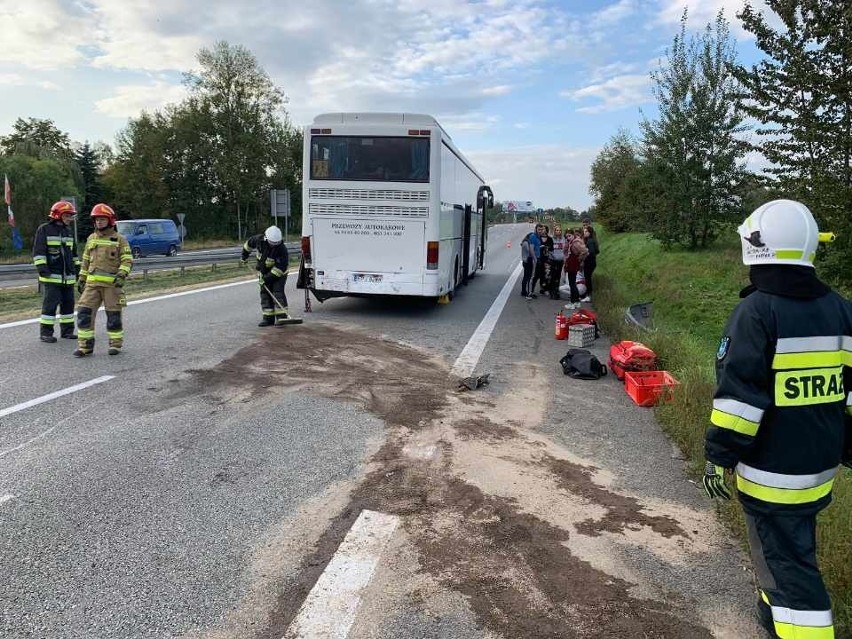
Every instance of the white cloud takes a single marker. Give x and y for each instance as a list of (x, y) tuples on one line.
[(500, 89), (17, 80), (616, 93), (40, 34), (549, 175), (130, 100), (702, 12), (615, 12)]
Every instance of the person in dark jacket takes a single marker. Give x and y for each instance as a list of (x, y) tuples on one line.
[(272, 265), (55, 257), (782, 413), (591, 261)]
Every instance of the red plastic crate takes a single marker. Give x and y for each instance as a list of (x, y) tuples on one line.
[(647, 388)]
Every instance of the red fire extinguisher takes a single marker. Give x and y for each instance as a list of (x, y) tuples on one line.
[(561, 326)]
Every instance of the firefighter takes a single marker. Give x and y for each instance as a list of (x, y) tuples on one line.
[(782, 413), (55, 257), (106, 264), (272, 264)]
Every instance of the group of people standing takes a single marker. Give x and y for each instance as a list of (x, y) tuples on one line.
[(548, 259), (99, 277)]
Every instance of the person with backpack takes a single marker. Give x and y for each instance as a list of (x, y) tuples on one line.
[(530, 254)]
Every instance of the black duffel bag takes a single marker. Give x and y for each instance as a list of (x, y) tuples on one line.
[(581, 364)]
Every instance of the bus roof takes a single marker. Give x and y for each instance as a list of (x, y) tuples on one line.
[(413, 119)]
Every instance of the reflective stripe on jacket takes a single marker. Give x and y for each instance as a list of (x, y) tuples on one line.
[(783, 404), (107, 253), (54, 247)]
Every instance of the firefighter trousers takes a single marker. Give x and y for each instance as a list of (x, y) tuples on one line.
[(61, 295), (793, 598), (113, 299), (268, 305)]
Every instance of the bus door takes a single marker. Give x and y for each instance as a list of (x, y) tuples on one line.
[(468, 213)]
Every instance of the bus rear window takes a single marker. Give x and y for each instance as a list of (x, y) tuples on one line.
[(377, 159)]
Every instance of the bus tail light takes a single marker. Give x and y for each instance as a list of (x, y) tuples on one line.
[(306, 247), (432, 255)]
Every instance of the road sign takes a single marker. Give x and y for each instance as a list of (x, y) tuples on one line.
[(279, 203), (181, 217), (182, 231)]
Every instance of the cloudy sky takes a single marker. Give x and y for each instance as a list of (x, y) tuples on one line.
[(529, 89)]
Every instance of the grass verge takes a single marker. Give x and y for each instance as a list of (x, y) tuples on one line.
[(25, 303), (693, 294)]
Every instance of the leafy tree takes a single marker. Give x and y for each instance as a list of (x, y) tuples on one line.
[(36, 184), (89, 164), (694, 148), (610, 172), (801, 93), (38, 138), (244, 111)]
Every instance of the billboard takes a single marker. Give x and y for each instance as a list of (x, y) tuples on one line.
[(518, 206)]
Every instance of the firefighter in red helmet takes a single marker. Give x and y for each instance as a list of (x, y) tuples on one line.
[(106, 264), (55, 257)]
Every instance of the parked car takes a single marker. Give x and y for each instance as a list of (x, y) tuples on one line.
[(149, 237)]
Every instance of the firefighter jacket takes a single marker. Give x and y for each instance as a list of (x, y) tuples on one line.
[(55, 254), (782, 411), (272, 261), (107, 254)]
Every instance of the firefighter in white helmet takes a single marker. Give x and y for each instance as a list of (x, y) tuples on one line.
[(272, 264), (782, 413)]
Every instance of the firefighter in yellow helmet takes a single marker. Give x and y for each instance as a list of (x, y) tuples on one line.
[(782, 413), (106, 264)]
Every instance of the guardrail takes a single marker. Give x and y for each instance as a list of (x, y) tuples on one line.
[(154, 262)]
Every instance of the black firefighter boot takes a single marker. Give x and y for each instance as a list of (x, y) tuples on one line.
[(84, 348), (46, 333), (66, 331), (267, 320)]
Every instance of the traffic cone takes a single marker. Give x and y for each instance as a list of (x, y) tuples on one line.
[(509, 244)]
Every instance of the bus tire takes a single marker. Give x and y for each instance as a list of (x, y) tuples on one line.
[(456, 277)]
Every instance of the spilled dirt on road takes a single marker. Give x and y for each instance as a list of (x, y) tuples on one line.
[(525, 531)]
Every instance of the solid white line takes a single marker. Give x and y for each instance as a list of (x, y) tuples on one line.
[(5, 498), (148, 299), (329, 609), (54, 395), (467, 361)]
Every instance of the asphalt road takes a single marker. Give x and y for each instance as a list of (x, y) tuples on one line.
[(204, 488)]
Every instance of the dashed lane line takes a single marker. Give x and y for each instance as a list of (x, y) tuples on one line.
[(329, 609), (469, 357), (54, 395)]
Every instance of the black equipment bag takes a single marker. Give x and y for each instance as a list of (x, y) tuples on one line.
[(581, 364)]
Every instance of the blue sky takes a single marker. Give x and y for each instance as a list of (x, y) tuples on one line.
[(530, 90)]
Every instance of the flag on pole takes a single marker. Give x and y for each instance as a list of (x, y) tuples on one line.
[(17, 240)]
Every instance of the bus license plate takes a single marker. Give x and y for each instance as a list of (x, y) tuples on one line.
[(370, 278)]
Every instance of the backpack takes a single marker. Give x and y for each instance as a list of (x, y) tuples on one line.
[(581, 364)]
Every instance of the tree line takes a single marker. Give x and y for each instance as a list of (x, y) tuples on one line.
[(213, 157), (685, 178)]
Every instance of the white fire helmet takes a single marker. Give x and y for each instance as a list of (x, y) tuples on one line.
[(273, 235), (779, 232)]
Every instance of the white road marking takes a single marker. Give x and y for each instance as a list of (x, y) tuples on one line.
[(469, 357), (147, 300), (5, 498), (54, 395), (329, 609)]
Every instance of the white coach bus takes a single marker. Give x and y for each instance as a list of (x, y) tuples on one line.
[(390, 207)]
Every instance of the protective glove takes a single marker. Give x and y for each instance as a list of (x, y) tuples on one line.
[(44, 272), (269, 278), (714, 481), (244, 261), (119, 280), (81, 284)]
